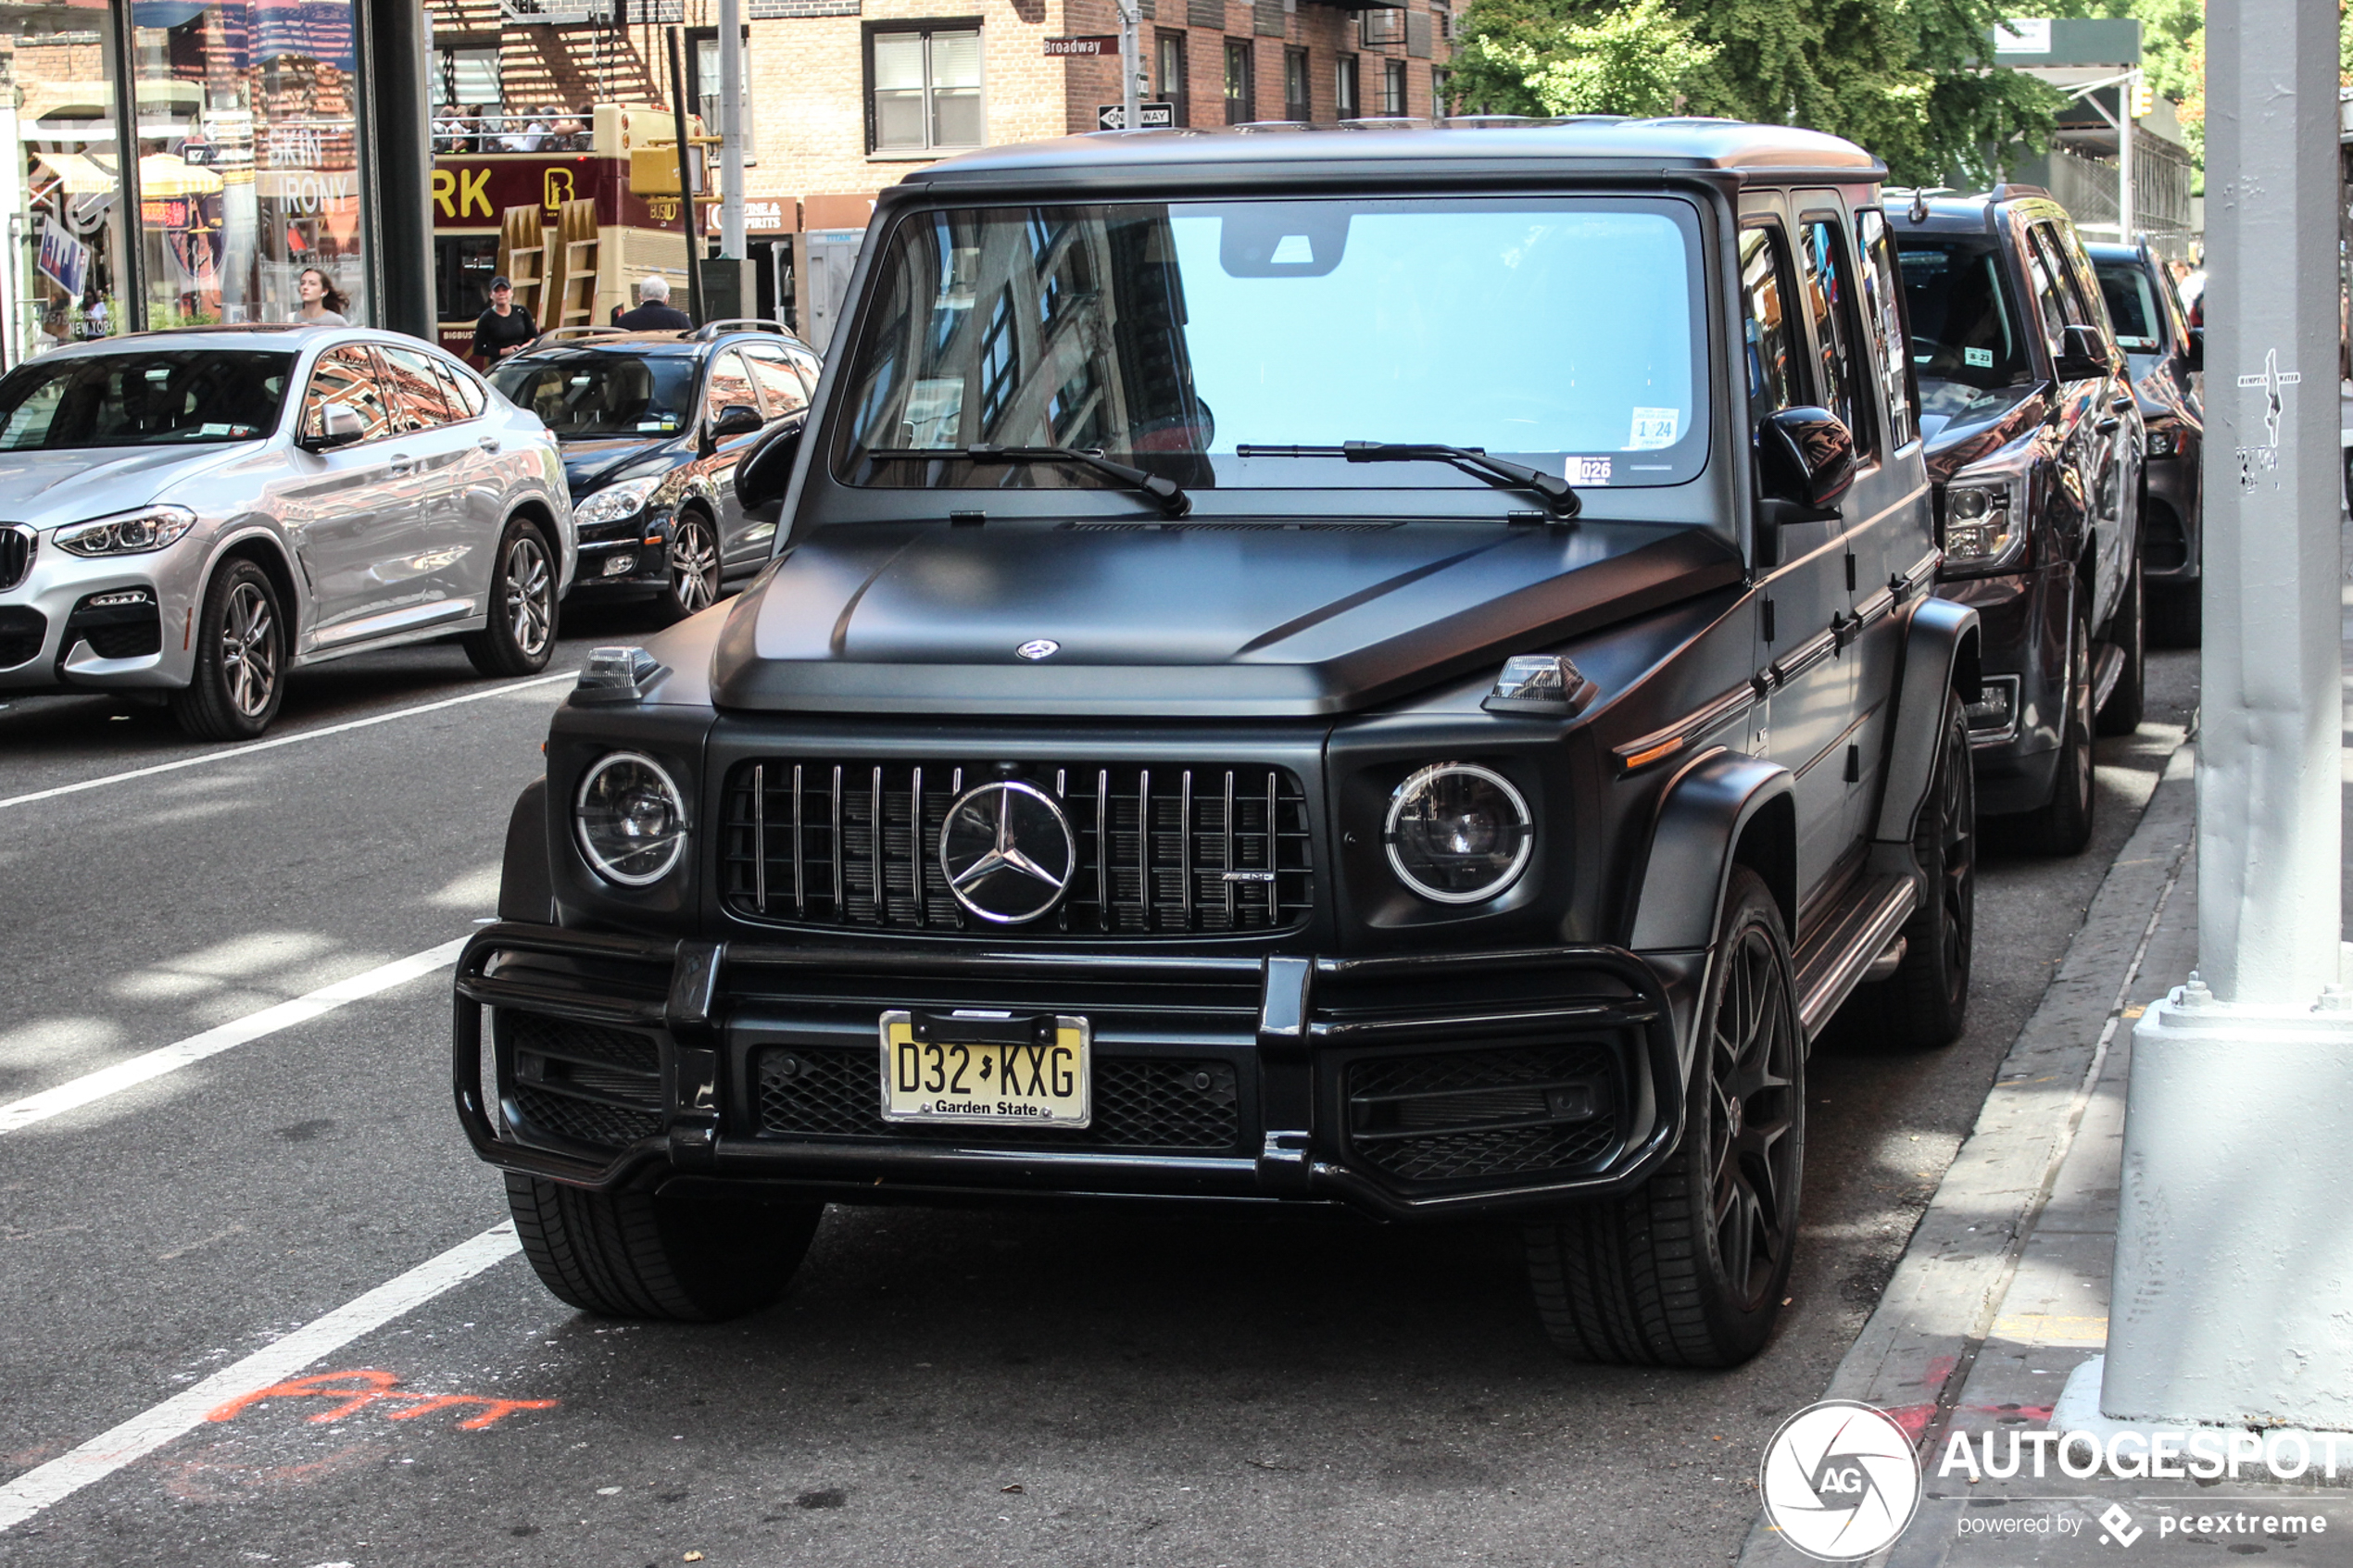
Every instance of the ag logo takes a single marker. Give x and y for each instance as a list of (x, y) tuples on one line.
[(1839, 1481)]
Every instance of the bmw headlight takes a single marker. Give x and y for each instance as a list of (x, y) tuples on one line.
[(1983, 528), (1458, 833), (615, 502), (127, 534), (632, 819)]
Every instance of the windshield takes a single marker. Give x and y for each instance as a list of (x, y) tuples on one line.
[(589, 393), (152, 398), (1560, 333), (1971, 358), (2132, 309)]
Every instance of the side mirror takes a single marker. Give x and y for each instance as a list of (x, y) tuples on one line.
[(2083, 355), (2196, 359), (1805, 463), (736, 419), (343, 426), (766, 469)]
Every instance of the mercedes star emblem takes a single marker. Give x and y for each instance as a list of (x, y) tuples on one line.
[(1039, 647), (1007, 851)]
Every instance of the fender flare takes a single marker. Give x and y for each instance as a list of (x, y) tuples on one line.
[(1703, 814), (1941, 655), (525, 890), (233, 539)]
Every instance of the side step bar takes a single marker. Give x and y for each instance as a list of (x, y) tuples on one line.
[(1849, 944)]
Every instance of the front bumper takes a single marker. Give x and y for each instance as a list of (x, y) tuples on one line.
[(2172, 542), (1444, 1086), (2023, 618), (54, 639)]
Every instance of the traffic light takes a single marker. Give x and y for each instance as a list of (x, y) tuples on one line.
[(2144, 96)]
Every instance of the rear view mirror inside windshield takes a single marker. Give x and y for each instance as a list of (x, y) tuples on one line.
[(1280, 239)]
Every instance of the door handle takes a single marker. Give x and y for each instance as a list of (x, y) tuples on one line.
[(2108, 424), (488, 444), (2119, 403)]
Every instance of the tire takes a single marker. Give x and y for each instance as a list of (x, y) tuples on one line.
[(2062, 825), (638, 1255), (520, 636), (2176, 614), (2120, 715), (239, 678), (1689, 1270), (690, 581), (1925, 1003)]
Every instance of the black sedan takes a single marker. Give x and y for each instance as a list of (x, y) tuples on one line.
[(653, 425)]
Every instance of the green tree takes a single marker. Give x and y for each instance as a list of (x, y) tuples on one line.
[(1638, 59)]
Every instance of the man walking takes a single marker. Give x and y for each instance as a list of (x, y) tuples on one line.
[(654, 312)]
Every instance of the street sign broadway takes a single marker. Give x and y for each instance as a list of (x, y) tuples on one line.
[(1090, 45), (1149, 116)]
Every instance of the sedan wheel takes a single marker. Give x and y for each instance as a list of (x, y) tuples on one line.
[(234, 689), (694, 568), (521, 630)]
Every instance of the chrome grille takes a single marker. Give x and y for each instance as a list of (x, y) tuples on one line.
[(17, 543), (1162, 849)]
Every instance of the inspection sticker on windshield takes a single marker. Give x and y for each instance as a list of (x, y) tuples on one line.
[(1980, 357), (1589, 471), (1654, 428)]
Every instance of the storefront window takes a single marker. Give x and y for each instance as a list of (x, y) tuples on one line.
[(249, 168), (64, 276)]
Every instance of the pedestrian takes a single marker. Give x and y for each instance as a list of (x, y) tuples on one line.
[(654, 312), (503, 327), (322, 302)]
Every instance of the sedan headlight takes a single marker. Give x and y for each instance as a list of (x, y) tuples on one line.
[(615, 502), (1458, 833), (127, 534), (632, 819), (1983, 527), (2164, 441)]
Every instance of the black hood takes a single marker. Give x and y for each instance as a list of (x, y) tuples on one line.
[(1250, 620), (588, 465)]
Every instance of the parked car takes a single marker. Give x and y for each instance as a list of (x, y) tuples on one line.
[(652, 425), (2166, 355), (1234, 720), (2034, 442), (195, 513)]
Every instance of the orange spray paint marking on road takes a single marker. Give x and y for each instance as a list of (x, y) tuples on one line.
[(355, 1391)]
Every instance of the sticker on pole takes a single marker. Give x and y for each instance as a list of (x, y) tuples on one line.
[(1149, 116), (1839, 1481)]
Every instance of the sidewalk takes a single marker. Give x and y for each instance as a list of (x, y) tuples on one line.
[(2002, 1295)]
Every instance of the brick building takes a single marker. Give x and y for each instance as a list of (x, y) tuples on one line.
[(845, 96)]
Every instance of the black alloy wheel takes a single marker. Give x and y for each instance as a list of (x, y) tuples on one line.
[(1925, 1002), (2062, 825), (238, 680), (692, 582), (1689, 1270), (520, 635), (2120, 715)]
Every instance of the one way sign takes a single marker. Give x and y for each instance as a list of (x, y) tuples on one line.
[(1149, 116)]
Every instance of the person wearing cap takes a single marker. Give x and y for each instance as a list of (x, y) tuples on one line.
[(503, 327), (654, 312)]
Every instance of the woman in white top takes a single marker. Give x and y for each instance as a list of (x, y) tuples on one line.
[(322, 302)]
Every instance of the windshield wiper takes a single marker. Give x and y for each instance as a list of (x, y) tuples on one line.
[(1165, 493), (1558, 498)]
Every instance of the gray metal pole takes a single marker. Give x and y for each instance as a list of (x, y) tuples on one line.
[(1130, 58), (691, 217), (730, 128), (2231, 1252), (2124, 128)]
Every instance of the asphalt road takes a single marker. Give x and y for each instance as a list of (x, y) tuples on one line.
[(941, 1387)]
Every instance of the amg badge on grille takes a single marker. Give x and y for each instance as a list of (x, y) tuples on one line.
[(1007, 851)]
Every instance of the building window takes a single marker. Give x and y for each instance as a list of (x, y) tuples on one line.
[(1295, 106), (926, 89), (1383, 24), (702, 85), (1241, 84), (1169, 74), (1344, 99), (1438, 75), (1393, 87)]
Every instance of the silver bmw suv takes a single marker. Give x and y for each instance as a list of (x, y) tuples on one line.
[(196, 512)]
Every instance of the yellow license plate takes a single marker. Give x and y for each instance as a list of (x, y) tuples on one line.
[(929, 1075)]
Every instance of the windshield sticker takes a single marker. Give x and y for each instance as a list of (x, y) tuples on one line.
[(1654, 428), (1589, 471), (215, 429), (1293, 250), (1980, 357)]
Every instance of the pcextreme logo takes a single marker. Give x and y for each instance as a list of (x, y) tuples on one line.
[(1839, 1481)]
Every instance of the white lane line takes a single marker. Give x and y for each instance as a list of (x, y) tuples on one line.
[(152, 1428), (212, 1042), (204, 757)]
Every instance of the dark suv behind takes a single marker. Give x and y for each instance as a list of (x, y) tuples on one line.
[(653, 425), (2166, 354), (2034, 445)]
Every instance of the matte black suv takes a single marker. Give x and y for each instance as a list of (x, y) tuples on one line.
[(2034, 442), (1387, 669), (2166, 354), (652, 426)]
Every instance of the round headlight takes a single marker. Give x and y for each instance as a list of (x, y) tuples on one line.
[(1458, 833), (632, 819)]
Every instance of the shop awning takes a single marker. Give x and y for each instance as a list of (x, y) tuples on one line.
[(83, 175), (163, 174)]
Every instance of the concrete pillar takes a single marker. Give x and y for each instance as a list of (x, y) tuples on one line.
[(2233, 1265)]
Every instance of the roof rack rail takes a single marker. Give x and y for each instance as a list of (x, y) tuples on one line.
[(577, 331), (2004, 191), (710, 330)]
